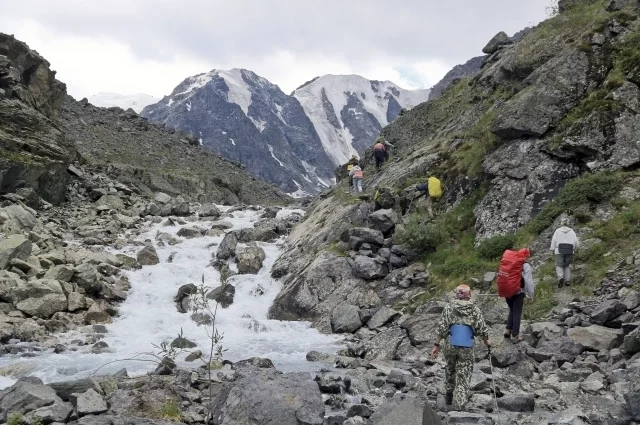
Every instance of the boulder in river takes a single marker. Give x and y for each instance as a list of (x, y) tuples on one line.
[(148, 256), (345, 319), (250, 259), (227, 247), (223, 295)]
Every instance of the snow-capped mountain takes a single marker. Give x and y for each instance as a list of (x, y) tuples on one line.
[(294, 141), (348, 111), (246, 118), (137, 102)]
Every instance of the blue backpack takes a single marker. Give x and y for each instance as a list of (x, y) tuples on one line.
[(461, 336)]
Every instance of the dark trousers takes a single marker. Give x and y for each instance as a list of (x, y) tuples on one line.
[(379, 156), (515, 304)]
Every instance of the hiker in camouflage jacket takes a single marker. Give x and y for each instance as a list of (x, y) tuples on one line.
[(459, 360)]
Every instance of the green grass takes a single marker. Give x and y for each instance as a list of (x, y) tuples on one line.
[(335, 249), (544, 302), (171, 411), (15, 419), (586, 189), (493, 248)]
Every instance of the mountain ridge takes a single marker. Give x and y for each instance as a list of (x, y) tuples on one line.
[(246, 118)]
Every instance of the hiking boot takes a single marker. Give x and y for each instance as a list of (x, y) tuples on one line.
[(448, 399), (560, 282)]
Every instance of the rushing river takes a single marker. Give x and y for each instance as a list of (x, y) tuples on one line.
[(149, 315)]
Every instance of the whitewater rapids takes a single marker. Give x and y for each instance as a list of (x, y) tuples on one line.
[(149, 315)]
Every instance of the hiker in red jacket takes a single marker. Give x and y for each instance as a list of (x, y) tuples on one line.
[(515, 282), (380, 151)]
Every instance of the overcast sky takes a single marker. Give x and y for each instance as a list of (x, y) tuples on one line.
[(149, 46)]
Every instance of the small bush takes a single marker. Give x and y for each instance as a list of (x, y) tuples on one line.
[(420, 235), (171, 411), (494, 247), (545, 301), (591, 188), (15, 419)]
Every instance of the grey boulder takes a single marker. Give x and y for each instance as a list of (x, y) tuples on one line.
[(345, 318), (227, 247), (24, 396), (89, 403), (607, 311), (15, 246), (383, 220), (249, 259), (369, 268), (496, 42), (148, 256), (596, 338), (267, 397)]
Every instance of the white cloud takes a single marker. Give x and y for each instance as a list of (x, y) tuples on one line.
[(149, 46)]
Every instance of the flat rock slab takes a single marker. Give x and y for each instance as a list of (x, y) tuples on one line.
[(408, 411)]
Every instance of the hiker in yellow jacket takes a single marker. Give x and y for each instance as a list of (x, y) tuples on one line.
[(433, 188)]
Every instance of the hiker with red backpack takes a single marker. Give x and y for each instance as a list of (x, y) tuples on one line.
[(515, 282)]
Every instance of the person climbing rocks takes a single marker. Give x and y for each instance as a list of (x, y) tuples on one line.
[(460, 323), (356, 175), (433, 187), (380, 152), (353, 161), (564, 244), (515, 282)]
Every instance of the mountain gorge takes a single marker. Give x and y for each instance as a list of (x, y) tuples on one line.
[(293, 141)]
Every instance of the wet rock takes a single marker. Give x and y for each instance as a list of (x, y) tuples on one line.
[(517, 402), (361, 410), (128, 263), (253, 234), (181, 209), (369, 268), (110, 202), (100, 347), (185, 291), (250, 259), (181, 342), (189, 233), (383, 316), (345, 318), (316, 356), (383, 220), (96, 315), (227, 247), (209, 211), (607, 311), (87, 277), (223, 295), (356, 420), (596, 337), (162, 198), (259, 395), (332, 383), (148, 256), (496, 42), (89, 403)]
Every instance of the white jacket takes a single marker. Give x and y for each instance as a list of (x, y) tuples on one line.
[(564, 235), (529, 284)]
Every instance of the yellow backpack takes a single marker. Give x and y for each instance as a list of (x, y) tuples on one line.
[(435, 187)]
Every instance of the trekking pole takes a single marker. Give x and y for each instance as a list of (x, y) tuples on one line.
[(493, 382)]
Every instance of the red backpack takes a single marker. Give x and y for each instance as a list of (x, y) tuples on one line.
[(510, 272)]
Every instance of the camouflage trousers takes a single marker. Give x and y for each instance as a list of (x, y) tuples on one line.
[(458, 374)]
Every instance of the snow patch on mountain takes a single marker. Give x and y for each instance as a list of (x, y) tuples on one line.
[(137, 101), (348, 111)]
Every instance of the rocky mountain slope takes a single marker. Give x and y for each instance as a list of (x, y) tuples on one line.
[(43, 130), (546, 129), (348, 111), (293, 141), (137, 101)]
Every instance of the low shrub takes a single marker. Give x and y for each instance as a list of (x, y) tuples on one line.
[(494, 247), (421, 235)]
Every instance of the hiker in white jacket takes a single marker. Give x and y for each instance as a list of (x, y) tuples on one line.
[(564, 244)]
